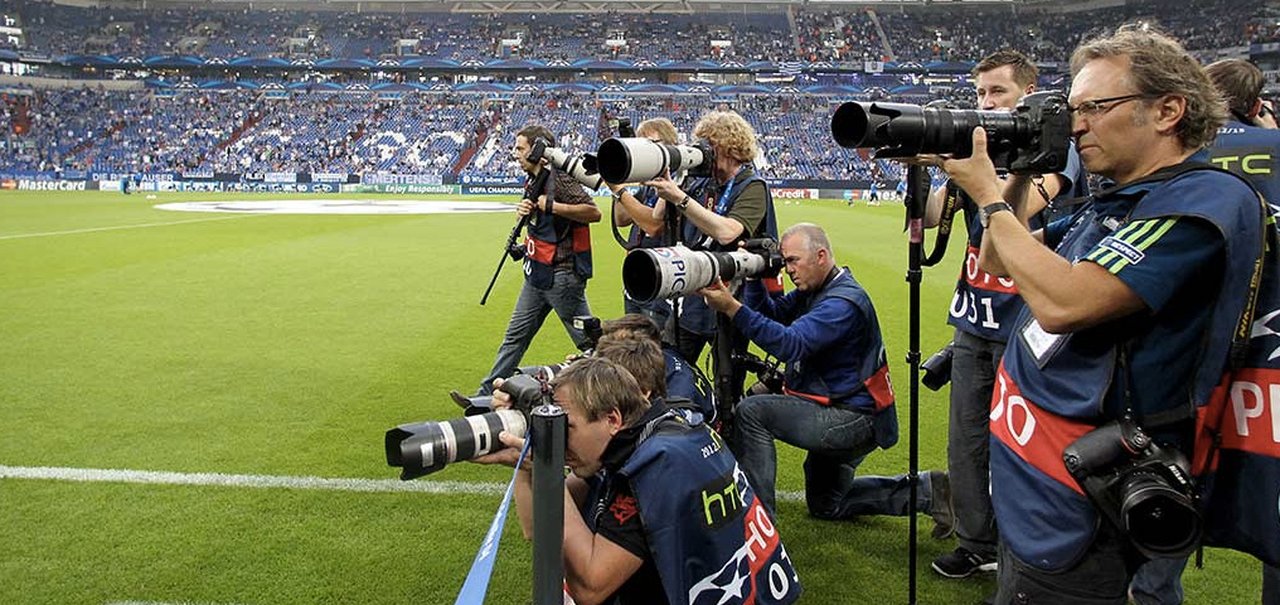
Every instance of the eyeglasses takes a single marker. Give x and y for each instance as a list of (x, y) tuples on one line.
[(1097, 107)]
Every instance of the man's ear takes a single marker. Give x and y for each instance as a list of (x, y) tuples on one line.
[(1170, 110), (1255, 109), (615, 420)]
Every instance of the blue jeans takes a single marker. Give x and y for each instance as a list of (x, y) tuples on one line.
[(567, 297), (838, 440), (973, 375)]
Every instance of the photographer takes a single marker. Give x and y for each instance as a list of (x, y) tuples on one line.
[(982, 311), (654, 510), (737, 206), (1130, 306), (679, 378), (837, 402), (1247, 145), (647, 231), (557, 257)]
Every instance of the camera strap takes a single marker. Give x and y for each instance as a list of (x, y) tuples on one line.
[(477, 582), (950, 204)]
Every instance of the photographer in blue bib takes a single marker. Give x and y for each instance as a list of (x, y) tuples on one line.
[(635, 209), (1131, 306), (735, 205), (656, 511), (1248, 144), (982, 311), (837, 402), (557, 256)]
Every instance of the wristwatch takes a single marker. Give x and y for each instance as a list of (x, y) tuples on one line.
[(984, 214), (684, 202)]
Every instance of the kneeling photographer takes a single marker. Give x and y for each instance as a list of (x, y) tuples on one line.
[(655, 510), (837, 403)]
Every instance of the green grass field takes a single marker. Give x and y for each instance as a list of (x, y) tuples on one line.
[(286, 346)]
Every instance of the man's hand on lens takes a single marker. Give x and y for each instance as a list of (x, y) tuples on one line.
[(719, 297), (667, 189), (507, 456), (511, 453), (975, 174)]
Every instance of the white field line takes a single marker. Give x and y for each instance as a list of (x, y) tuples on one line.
[(96, 475), (118, 227), (162, 603)]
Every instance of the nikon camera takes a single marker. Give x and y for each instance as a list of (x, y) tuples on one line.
[(1032, 139), (1144, 490)]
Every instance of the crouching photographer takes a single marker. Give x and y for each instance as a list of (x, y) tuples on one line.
[(837, 403), (656, 510)]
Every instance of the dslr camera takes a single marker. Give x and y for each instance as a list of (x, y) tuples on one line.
[(423, 448), (1032, 139), (1143, 489), (581, 166), (649, 274)]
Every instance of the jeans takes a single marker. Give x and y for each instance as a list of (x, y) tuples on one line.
[(1158, 582), (838, 439), (973, 375), (567, 297)]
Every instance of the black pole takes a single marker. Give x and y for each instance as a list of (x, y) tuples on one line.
[(534, 187), (548, 425), (916, 199)]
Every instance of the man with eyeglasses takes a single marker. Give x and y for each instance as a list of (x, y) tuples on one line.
[(982, 311), (1130, 307), (1248, 145)]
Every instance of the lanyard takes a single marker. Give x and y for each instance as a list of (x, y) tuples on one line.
[(722, 204), (477, 582)]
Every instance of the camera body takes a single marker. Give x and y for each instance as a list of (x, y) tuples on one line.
[(649, 274), (581, 166), (1032, 139), (936, 370), (637, 159), (1143, 489)]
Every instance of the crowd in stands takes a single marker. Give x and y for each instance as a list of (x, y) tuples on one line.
[(802, 34), (467, 137)]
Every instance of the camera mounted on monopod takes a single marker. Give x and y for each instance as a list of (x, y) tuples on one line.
[(581, 166), (1032, 139), (649, 274), (422, 448)]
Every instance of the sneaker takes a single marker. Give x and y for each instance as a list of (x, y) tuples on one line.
[(961, 563), (943, 513)]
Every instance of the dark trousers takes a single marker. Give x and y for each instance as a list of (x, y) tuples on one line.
[(973, 375), (1100, 578)]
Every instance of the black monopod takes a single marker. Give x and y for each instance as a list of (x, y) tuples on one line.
[(539, 185)]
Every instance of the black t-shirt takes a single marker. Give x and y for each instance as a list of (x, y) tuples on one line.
[(617, 519)]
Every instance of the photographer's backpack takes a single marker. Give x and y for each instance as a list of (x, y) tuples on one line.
[(1236, 456)]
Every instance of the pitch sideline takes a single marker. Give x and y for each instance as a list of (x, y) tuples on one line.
[(97, 475)]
